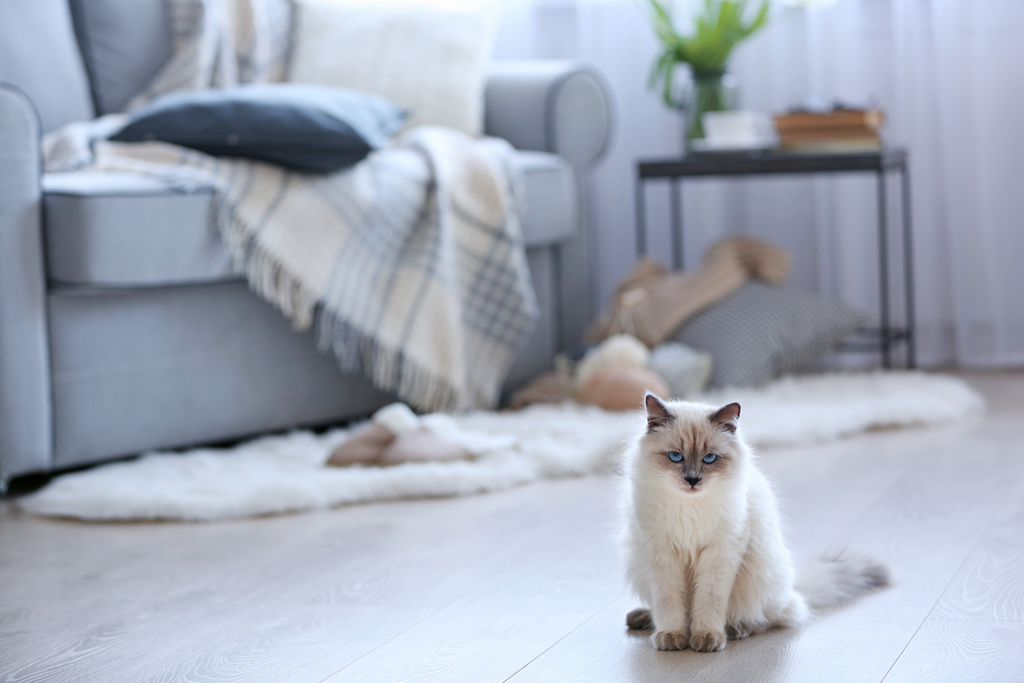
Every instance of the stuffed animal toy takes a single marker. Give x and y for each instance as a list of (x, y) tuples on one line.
[(395, 435), (615, 376)]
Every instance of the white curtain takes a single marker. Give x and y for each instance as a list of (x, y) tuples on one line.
[(949, 75)]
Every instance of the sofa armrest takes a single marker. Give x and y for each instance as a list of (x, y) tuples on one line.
[(549, 106), (25, 435), (563, 108)]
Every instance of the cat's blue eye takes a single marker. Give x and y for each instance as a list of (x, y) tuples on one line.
[(710, 458), (675, 456)]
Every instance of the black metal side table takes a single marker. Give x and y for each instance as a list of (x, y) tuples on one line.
[(775, 162)]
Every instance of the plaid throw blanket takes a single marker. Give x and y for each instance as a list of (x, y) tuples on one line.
[(218, 43), (410, 265)]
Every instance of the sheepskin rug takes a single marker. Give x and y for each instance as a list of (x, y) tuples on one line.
[(281, 474)]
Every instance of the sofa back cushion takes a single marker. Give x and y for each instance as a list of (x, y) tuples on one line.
[(124, 43), (426, 56), (38, 54)]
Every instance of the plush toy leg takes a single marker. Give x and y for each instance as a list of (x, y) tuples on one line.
[(364, 446), (368, 443), (395, 435), (421, 445)]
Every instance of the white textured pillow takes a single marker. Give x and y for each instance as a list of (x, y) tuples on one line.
[(426, 57)]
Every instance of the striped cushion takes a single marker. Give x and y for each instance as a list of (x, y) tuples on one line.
[(760, 332)]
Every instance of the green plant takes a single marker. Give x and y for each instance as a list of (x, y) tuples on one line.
[(717, 29)]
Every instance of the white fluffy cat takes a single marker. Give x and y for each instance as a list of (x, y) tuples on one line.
[(703, 546)]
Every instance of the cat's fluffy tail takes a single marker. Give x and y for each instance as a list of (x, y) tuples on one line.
[(834, 579)]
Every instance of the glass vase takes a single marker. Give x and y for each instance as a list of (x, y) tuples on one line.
[(707, 92)]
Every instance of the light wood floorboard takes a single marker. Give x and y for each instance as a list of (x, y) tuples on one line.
[(963, 650), (990, 584), (525, 585)]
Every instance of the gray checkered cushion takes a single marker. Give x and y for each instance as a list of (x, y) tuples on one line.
[(760, 332)]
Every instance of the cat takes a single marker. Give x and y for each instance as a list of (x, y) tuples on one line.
[(701, 537)]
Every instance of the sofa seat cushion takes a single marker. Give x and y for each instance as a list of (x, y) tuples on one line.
[(121, 230)]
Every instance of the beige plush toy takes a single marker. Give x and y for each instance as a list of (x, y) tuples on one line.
[(395, 435), (615, 376)]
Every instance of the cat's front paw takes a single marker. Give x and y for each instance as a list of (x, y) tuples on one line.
[(708, 642), (670, 640)]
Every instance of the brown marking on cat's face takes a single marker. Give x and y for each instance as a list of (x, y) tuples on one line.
[(679, 440)]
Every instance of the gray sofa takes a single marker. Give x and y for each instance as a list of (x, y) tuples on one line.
[(122, 327)]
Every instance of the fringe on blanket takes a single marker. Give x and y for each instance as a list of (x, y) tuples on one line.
[(356, 352), (389, 368), (266, 275)]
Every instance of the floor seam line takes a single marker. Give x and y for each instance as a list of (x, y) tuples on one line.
[(464, 596), (952, 577), (569, 633), (372, 650)]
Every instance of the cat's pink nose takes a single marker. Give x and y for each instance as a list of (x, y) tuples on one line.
[(692, 481)]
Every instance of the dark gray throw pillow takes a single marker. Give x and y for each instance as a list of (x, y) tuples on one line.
[(305, 127), (760, 332)]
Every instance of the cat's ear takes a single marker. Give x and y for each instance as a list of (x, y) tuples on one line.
[(657, 412), (727, 417)]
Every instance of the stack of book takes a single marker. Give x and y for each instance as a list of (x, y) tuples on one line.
[(840, 130)]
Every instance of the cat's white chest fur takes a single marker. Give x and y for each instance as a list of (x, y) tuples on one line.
[(687, 521)]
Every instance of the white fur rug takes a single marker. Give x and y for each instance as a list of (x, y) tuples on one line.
[(287, 473)]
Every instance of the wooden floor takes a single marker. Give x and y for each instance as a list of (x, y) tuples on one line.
[(524, 585)]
